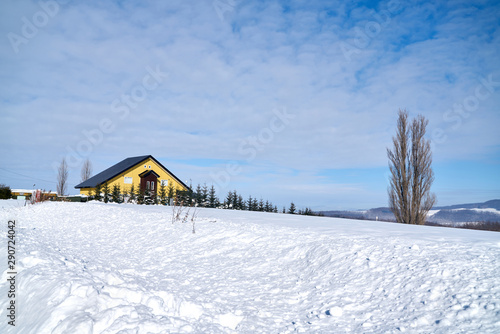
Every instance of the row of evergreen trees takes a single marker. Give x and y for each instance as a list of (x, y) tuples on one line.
[(202, 196)]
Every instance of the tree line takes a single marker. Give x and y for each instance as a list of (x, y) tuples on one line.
[(201, 196)]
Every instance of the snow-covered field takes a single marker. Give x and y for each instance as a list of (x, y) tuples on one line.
[(97, 268)]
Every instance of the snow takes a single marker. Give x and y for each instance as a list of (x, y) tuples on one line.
[(492, 210), (487, 210), (474, 209), (432, 213), (108, 268)]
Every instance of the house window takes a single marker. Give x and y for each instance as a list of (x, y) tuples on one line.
[(149, 167), (147, 185), (145, 166), (164, 183), (127, 180), (152, 185)]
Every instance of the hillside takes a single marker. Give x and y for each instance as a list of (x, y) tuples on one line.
[(453, 215), (493, 204), (97, 268)]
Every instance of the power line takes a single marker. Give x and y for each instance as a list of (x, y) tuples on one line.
[(29, 177)]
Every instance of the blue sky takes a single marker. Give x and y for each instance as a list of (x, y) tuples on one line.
[(285, 100)]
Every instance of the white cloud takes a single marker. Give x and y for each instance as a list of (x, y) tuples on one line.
[(226, 76)]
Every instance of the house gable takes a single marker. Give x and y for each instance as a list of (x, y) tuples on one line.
[(127, 173)]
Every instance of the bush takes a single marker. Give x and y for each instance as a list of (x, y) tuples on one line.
[(5, 192)]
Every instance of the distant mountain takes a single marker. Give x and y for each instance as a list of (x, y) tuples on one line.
[(445, 215), (493, 204), (457, 216)]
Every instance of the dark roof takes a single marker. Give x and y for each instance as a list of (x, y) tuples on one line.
[(147, 172), (119, 168)]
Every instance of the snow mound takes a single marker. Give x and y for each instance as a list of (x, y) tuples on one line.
[(95, 268)]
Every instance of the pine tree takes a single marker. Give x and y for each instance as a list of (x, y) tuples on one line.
[(255, 205), (229, 201), (275, 209), (309, 212), (97, 193), (250, 203), (131, 194), (213, 201), (190, 195), (261, 205), (149, 197), (292, 209), (181, 198), (268, 207), (170, 192), (204, 195), (105, 190), (234, 200), (163, 194), (141, 194), (241, 203), (116, 194), (197, 195)]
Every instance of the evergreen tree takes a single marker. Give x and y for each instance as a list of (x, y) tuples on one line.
[(149, 197), (116, 196), (190, 195), (213, 201), (255, 204), (170, 192), (241, 203), (97, 193), (141, 194), (309, 212), (197, 195), (261, 205), (105, 190), (234, 200), (268, 207), (163, 194), (131, 195), (181, 198), (250, 203), (204, 195), (228, 202), (275, 209), (292, 209)]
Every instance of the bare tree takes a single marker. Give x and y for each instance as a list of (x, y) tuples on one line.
[(410, 163), (86, 170), (62, 178)]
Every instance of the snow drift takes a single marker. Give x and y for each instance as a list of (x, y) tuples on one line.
[(97, 268)]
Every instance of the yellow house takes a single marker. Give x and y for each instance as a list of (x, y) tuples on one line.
[(144, 172), (28, 193)]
